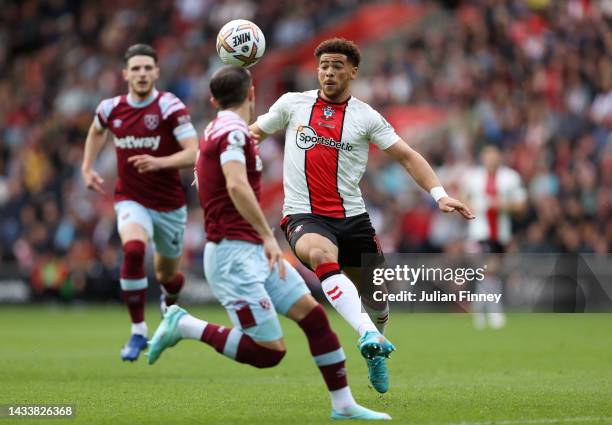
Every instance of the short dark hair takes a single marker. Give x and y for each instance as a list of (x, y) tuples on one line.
[(342, 46), (139, 50), (230, 85)]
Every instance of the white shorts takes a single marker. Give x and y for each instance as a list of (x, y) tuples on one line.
[(165, 229), (240, 277)]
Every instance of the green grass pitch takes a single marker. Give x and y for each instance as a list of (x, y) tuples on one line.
[(540, 369)]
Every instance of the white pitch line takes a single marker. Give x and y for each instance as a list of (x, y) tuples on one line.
[(539, 421)]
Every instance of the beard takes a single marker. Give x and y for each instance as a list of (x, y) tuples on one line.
[(142, 90)]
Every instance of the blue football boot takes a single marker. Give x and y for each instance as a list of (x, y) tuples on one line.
[(132, 349), (375, 348)]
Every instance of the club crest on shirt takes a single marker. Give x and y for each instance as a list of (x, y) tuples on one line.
[(328, 112), (117, 123), (151, 121)]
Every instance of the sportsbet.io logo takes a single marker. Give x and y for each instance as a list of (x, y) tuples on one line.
[(306, 138)]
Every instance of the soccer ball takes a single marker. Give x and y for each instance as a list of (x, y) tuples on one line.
[(240, 42)]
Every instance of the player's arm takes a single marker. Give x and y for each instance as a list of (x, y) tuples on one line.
[(175, 114), (276, 119), (184, 158), (424, 175), (96, 137), (195, 172), (246, 203), (257, 133)]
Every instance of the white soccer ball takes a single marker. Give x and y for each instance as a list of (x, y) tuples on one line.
[(240, 42)]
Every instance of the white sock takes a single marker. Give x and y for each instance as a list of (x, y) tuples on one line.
[(379, 317), (343, 296), (190, 327), (342, 399), (140, 329)]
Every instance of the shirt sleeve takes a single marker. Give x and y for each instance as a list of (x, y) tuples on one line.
[(277, 118), (103, 112), (231, 147), (380, 132), (175, 112)]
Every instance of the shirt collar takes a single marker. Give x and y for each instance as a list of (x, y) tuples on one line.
[(143, 103), (229, 114)]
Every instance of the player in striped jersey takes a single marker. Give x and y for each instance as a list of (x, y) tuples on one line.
[(327, 137), (153, 138), (496, 193)]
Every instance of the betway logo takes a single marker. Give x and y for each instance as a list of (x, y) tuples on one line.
[(306, 138), (131, 142)]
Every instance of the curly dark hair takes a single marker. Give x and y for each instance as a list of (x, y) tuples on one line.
[(341, 46)]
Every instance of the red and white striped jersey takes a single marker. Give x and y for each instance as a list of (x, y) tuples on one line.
[(479, 187), (326, 151)]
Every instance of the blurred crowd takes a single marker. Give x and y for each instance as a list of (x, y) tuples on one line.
[(532, 77), (58, 59)]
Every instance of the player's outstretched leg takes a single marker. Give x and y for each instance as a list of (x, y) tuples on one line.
[(374, 347), (329, 357), (343, 296), (231, 342), (134, 292)]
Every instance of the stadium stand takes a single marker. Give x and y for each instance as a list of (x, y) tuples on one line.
[(532, 77)]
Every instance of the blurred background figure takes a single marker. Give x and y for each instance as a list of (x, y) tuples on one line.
[(496, 193)]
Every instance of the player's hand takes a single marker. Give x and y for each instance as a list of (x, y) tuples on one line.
[(146, 163), (448, 204), (93, 180), (274, 255), (256, 133), (255, 136)]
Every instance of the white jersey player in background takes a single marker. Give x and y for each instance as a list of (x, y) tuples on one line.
[(495, 192), (327, 136)]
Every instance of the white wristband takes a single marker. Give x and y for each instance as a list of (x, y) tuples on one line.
[(437, 193)]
